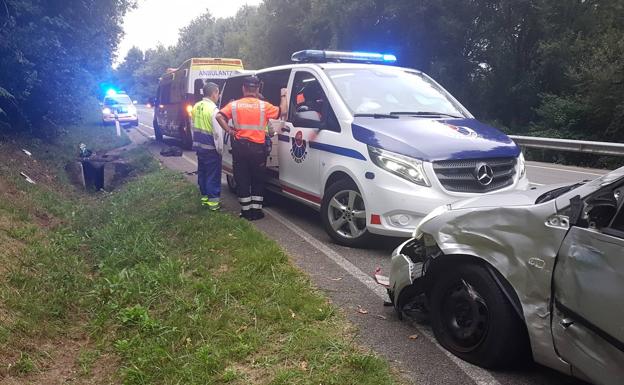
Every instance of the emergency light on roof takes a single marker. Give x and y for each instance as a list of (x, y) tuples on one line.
[(111, 92), (318, 56)]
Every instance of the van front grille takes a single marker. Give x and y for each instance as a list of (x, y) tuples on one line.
[(475, 175)]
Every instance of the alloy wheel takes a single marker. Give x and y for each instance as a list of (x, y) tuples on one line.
[(347, 214)]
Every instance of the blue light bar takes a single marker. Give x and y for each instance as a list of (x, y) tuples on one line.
[(318, 56)]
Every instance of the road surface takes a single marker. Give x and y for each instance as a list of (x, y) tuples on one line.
[(344, 275)]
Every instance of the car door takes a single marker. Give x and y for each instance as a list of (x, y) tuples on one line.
[(311, 121), (588, 317)]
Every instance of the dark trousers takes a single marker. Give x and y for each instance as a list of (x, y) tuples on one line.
[(209, 173), (249, 161)]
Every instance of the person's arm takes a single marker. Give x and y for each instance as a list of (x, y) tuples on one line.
[(223, 116), (223, 123), (283, 103), (217, 132)]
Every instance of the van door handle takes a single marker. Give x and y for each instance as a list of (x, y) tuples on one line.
[(285, 129)]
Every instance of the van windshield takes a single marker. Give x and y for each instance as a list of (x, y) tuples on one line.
[(392, 91), (117, 99)]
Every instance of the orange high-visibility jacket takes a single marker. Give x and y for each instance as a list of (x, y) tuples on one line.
[(250, 117)]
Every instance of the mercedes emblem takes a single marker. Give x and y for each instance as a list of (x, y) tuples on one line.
[(484, 174)]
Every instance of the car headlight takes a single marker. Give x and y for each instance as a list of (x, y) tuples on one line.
[(106, 111), (434, 213), (407, 168), (521, 166), (132, 110)]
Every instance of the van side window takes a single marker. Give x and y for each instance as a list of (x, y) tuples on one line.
[(309, 106), (271, 84)]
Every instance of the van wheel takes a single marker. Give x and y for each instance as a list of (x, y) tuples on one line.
[(472, 318), (231, 182), (157, 131), (344, 215)]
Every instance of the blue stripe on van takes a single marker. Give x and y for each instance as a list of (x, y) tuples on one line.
[(348, 152)]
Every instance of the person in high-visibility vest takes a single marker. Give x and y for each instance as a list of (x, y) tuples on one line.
[(208, 143), (250, 117)]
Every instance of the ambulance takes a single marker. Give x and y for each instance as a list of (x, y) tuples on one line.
[(180, 88), (373, 146)]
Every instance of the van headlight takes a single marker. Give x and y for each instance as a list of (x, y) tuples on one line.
[(521, 166), (407, 168), (106, 111)]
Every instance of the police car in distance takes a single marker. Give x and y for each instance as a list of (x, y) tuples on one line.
[(373, 146), (118, 106)]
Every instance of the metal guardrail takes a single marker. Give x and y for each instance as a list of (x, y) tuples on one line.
[(588, 147)]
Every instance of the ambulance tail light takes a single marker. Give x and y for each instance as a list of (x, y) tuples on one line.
[(410, 169), (318, 56)]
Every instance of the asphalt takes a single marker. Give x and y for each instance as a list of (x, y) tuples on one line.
[(344, 275)]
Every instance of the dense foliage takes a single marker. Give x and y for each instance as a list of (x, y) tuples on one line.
[(53, 56), (547, 67)]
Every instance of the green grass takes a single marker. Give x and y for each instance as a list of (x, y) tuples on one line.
[(179, 295)]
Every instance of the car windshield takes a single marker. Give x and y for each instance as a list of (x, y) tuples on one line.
[(393, 91), (117, 99)]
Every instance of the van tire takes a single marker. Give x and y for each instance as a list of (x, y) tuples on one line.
[(158, 135), (472, 318), (341, 192)]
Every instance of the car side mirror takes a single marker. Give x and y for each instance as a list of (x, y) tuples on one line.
[(135, 102)]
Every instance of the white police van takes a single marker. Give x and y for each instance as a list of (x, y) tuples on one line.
[(373, 146)]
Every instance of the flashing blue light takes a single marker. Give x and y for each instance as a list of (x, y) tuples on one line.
[(111, 92), (318, 56)]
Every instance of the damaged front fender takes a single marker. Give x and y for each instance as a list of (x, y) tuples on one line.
[(520, 244)]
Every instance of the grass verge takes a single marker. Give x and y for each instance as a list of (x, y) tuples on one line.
[(145, 283)]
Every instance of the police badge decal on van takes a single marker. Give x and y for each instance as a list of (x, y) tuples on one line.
[(299, 148)]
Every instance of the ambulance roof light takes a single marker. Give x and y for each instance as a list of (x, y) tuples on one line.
[(319, 56), (111, 92)]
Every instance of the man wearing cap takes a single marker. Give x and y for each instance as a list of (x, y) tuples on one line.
[(250, 116), (208, 143)]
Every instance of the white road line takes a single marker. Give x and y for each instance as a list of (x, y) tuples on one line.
[(147, 134), (191, 161), (145, 125), (536, 184), (477, 374), (565, 170)]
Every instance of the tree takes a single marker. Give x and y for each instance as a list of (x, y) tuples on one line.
[(52, 54)]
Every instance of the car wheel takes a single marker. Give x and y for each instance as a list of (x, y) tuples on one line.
[(344, 214), (472, 318), (135, 123), (231, 182), (157, 131)]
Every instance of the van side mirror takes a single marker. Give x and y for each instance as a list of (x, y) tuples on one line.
[(135, 102)]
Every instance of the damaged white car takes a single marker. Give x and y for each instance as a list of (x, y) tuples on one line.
[(538, 271)]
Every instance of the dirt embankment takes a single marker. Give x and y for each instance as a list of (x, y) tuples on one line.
[(24, 221)]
